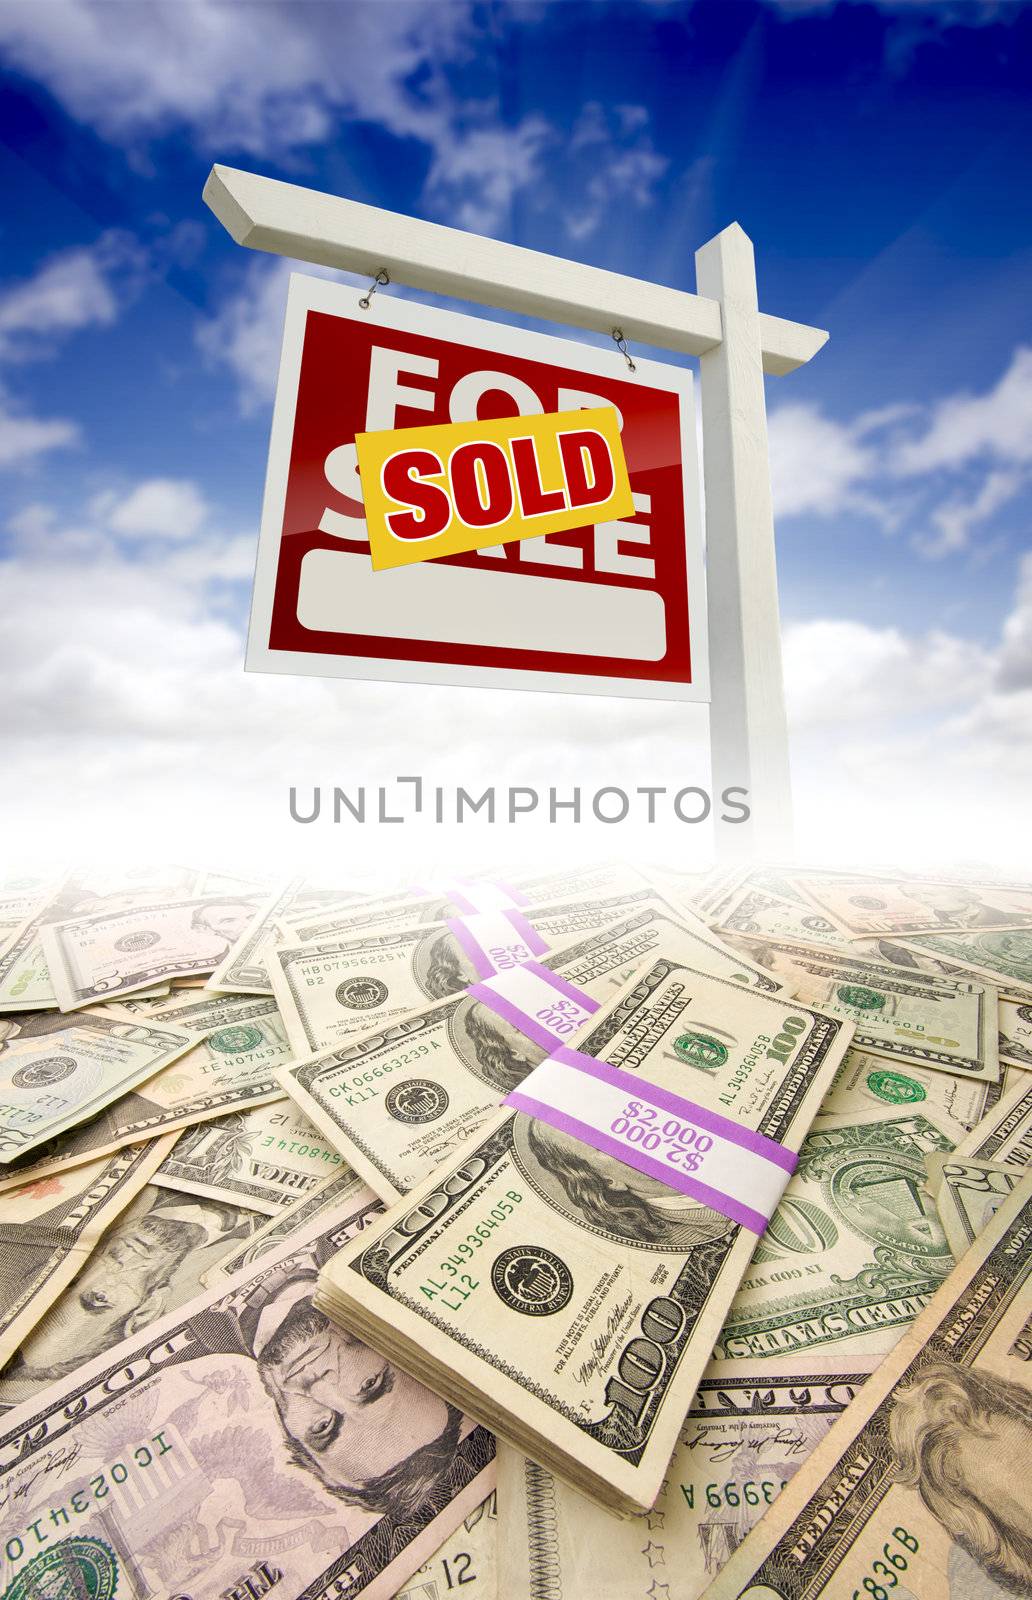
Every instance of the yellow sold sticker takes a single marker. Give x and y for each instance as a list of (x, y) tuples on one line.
[(453, 486)]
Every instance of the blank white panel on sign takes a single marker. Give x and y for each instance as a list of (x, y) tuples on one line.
[(460, 605)]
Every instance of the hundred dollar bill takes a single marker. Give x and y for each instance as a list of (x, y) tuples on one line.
[(49, 1229), (243, 968), (56, 1071), (867, 907), (464, 898), (264, 1158), (149, 1261), (112, 953), (587, 1294), (742, 1440), (1005, 959), (398, 1101), (25, 983), (467, 1562), (914, 1492), (854, 1250), (915, 1018), (229, 1070), (967, 1193), (1005, 1134), (239, 1445), (327, 1195), (865, 1083), (332, 991), (1016, 1034)]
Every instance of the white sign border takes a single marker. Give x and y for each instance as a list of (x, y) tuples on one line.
[(306, 294)]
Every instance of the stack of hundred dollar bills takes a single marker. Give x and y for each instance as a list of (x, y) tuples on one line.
[(327, 1271)]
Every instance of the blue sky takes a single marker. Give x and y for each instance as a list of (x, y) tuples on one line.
[(878, 154)]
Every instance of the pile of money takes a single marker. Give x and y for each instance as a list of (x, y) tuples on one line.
[(588, 1234)]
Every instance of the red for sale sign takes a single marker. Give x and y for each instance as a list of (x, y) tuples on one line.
[(616, 607)]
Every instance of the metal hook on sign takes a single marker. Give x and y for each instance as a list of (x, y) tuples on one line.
[(621, 345), (382, 278)]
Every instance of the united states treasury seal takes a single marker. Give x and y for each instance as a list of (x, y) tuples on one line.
[(47, 1069), (131, 943), (860, 997), (79, 1568), (361, 994), (230, 1041), (418, 1100), (895, 1087), (530, 1279), (700, 1050)]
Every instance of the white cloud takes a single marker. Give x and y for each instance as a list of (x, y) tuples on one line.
[(840, 672), (912, 746), (246, 332), (941, 471), (994, 426), (612, 164), (817, 464), (274, 79), (1014, 668), (24, 438), (260, 79), (159, 508), (955, 519), (476, 174), (71, 290)]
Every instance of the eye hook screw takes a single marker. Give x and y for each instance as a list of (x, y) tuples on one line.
[(382, 278), (621, 345)]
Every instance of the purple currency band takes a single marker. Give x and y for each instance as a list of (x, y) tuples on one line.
[(534, 1027), (756, 1144), (461, 901), (483, 963), (468, 907)]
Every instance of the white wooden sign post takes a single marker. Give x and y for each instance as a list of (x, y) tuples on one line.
[(722, 325)]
